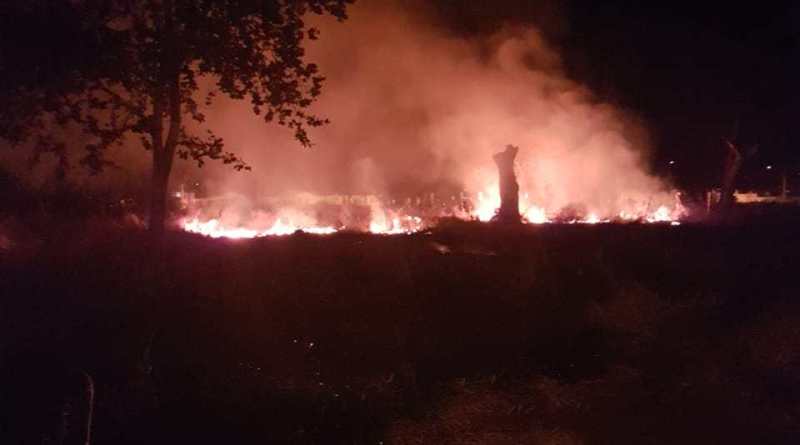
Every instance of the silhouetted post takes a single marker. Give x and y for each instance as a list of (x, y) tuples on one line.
[(784, 187), (509, 188), (733, 163)]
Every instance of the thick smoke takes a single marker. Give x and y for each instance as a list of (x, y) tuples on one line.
[(415, 109)]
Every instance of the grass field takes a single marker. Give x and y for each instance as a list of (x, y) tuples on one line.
[(557, 334)]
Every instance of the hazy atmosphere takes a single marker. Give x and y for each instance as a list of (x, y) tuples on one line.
[(406, 222), (415, 108)]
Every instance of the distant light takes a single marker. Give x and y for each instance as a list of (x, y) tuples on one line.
[(671, 162), (769, 167)]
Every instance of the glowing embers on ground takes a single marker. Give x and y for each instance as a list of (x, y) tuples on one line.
[(663, 214), (488, 202), (535, 215), (396, 226), (214, 229), (380, 225), (381, 220)]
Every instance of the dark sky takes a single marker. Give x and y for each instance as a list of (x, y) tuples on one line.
[(696, 72)]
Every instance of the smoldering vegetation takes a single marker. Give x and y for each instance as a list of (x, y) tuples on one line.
[(549, 334)]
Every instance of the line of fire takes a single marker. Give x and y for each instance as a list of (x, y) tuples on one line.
[(500, 203), (326, 214), (400, 222)]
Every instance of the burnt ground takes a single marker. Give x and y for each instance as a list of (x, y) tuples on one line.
[(561, 334)]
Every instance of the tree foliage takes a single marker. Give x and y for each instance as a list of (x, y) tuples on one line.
[(111, 69)]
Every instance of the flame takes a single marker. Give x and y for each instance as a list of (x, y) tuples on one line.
[(536, 215), (395, 222), (487, 204), (380, 224), (626, 215), (396, 225), (592, 219), (662, 214), (214, 229)]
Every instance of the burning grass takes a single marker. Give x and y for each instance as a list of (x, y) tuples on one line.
[(380, 219)]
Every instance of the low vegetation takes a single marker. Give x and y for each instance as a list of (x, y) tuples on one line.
[(466, 334)]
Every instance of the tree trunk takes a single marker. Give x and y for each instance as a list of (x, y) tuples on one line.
[(158, 198), (158, 181), (163, 154), (166, 100)]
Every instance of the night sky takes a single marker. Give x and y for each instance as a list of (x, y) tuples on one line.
[(696, 73)]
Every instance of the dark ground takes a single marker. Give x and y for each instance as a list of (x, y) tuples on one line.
[(556, 334)]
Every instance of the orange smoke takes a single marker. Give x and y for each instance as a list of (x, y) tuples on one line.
[(414, 109)]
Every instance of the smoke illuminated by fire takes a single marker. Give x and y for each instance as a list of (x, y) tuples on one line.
[(418, 112)]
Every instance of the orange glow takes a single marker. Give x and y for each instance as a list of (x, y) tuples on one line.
[(592, 219), (662, 214), (396, 226), (536, 215), (214, 229), (386, 221), (487, 204)]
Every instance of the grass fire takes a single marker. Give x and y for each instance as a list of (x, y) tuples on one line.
[(398, 222)]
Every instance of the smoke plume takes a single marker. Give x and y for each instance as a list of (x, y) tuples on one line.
[(415, 109)]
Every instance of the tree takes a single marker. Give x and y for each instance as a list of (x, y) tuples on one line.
[(116, 69)]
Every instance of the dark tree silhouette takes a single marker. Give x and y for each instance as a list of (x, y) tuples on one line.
[(116, 69)]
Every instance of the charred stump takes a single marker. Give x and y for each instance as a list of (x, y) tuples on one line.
[(509, 188)]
